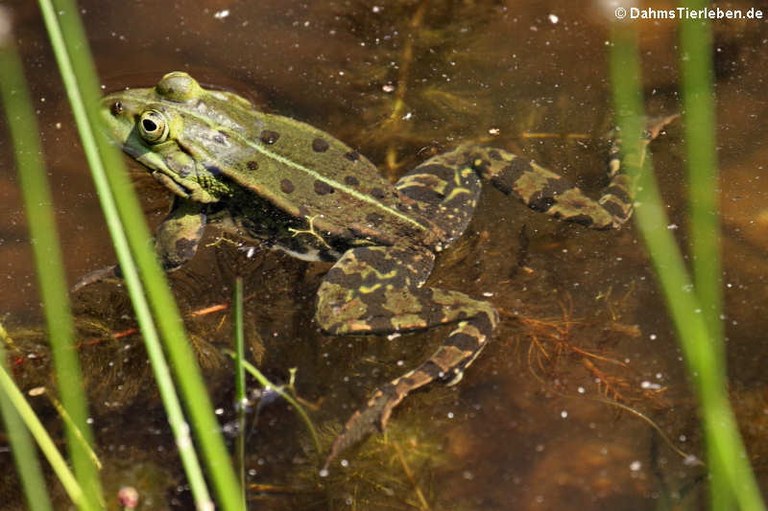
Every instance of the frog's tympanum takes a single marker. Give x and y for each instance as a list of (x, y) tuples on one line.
[(293, 187)]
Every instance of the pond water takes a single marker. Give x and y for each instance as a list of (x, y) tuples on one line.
[(534, 424)]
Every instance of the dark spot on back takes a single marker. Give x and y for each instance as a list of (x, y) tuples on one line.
[(319, 145), (352, 155), (494, 154), (351, 180), (252, 165), (286, 186), (378, 193), (269, 137), (323, 188)]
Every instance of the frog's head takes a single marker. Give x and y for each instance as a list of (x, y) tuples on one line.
[(169, 129)]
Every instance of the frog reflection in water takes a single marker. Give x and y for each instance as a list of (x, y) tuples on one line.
[(293, 187)]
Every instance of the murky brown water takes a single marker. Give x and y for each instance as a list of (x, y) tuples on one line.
[(583, 321)]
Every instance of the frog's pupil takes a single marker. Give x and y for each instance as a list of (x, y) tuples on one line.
[(149, 126)]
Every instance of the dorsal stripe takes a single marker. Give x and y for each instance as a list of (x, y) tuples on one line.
[(308, 171)]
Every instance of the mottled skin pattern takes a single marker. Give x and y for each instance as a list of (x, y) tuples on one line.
[(296, 188)]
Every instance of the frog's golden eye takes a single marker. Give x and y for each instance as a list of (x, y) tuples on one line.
[(154, 126)]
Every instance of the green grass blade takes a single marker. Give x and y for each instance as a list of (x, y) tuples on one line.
[(701, 346), (47, 446), (50, 269), (22, 447), (699, 108), (129, 230), (241, 401), (154, 351)]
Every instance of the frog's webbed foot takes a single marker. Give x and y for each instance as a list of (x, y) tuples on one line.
[(446, 365), (377, 290), (617, 195), (110, 273), (656, 125), (363, 423)]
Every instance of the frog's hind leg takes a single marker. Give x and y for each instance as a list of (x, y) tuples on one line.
[(378, 290), (548, 192), (545, 191), (447, 189)]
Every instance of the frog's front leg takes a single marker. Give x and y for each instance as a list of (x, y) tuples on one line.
[(378, 290), (178, 236), (176, 241)]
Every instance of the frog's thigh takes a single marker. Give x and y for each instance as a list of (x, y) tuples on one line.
[(447, 189), (377, 290), (178, 236)]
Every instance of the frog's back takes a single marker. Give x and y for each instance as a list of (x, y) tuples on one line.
[(309, 174)]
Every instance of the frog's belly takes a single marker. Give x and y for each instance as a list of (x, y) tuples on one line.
[(299, 241)]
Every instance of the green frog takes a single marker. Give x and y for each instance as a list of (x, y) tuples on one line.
[(296, 188)]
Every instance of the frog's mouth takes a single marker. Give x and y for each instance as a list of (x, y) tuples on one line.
[(184, 188), (156, 165), (159, 169), (172, 185)]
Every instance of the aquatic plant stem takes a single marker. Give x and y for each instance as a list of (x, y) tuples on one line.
[(394, 122), (156, 310), (130, 273), (241, 401), (727, 461), (703, 201), (265, 383), (50, 269)]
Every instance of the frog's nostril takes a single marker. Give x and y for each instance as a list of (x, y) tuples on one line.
[(116, 108)]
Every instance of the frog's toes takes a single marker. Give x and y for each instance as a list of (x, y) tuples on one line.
[(371, 419), (375, 415), (104, 274)]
